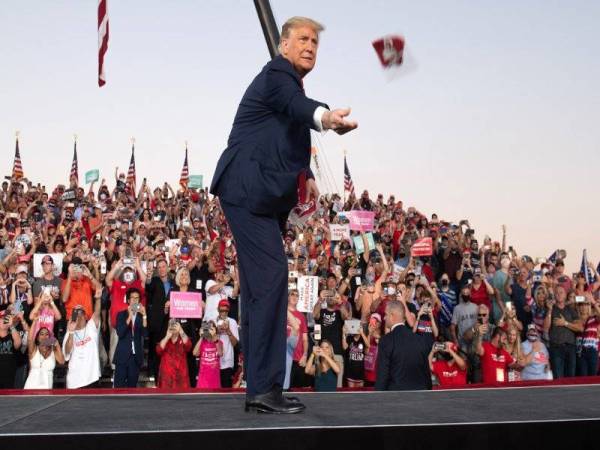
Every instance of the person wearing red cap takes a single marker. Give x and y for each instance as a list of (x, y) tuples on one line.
[(227, 329), (447, 365)]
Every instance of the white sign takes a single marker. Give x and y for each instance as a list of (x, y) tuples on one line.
[(37, 263), (308, 293), (339, 232)]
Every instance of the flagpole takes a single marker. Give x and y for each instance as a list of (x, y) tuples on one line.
[(345, 152)]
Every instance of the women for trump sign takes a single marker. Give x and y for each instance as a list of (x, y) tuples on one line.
[(185, 305)]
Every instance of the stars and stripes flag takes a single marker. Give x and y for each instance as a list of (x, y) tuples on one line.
[(17, 172), (74, 166), (102, 40), (131, 172), (348, 184), (586, 270), (185, 173)]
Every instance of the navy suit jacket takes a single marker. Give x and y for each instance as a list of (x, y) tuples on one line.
[(126, 336), (269, 143), (402, 361)]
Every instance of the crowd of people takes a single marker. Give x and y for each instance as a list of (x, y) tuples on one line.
[(86, 277)]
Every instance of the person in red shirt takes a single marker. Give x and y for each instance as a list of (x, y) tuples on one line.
[(118, 288), (297, 331), (495, 361), (447, 365), (481, 290)]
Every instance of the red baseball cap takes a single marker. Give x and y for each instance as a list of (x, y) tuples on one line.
[(224, 303)]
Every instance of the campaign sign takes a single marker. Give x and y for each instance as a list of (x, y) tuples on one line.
[(422, 247), (92, 175), (37, 263), (195, 182), (339, 232), (362, 220), (359, 245), (185, 305), (308, 293)]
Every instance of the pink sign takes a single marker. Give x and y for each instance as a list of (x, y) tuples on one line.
[(362, 221), (185, 305)]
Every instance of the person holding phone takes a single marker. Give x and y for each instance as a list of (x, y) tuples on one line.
[(173, 350), (446, 363), (322, 365), (44, 352), (355, 345)]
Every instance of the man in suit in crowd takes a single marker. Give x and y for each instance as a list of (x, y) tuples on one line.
[(132, 327), (257, 180), (402, 358), (158, 289)]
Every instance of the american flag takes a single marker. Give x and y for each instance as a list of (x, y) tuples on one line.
[(17, 172), (185, 173), (131, 172), (102, 40), (74, 167), (348, 184), (586, 270)]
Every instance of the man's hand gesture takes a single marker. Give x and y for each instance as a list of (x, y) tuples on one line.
[(336, 120)]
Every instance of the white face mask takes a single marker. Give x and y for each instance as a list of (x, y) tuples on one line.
[(532, 337), (128, 277)]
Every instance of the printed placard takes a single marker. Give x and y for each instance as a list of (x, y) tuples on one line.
[(308, 293), (359, 245), (422, 247), (339, 232), (361, 220), (185, 305), (92, 175), (196, 182)]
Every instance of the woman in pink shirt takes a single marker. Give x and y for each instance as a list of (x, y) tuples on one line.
[(210, 349), (44, 314)]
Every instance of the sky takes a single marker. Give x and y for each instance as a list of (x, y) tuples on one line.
[(497, 123)]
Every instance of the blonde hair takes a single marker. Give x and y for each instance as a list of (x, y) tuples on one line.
[(179, 273), (298, 21)]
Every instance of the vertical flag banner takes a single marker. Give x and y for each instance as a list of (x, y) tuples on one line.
[(102, 40), (348, 184), (185, 172), (131, 171), (74, 165), (17, 172)]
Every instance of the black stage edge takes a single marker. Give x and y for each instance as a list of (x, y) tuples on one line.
[(533, 417)]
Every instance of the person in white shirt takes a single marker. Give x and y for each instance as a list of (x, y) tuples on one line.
[(229, 337), (217, 290), (80, 347)]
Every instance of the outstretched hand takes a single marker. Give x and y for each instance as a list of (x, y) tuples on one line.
[(336, 120)]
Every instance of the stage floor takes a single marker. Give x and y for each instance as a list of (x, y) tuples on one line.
[(206, 412), (73, 416)]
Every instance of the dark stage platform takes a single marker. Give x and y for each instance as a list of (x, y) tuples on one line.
[(532, 417)]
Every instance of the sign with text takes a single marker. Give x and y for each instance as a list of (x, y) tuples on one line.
[(195, 182), (91, 176), (422, 247), (339, 232), (185, 305), (37, 263), (362, 220), (308, 293), (359, 245)]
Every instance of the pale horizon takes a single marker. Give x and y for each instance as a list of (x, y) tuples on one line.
[(496, 125)]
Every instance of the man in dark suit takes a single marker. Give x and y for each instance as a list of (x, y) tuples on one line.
[(402, 358), (256, 180), (158, 289), (131, 329)]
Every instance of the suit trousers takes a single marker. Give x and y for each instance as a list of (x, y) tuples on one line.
[(127, 374), (263, 273)]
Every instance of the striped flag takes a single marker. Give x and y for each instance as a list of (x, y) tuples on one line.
[(586, 270), (348, 184), (185, 173), (17, 172), (131, 172), (74, 166), (102, 40)]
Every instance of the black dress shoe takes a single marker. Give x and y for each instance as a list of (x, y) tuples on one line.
[(273, 403)]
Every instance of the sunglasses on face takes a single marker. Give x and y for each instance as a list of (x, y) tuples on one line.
[(481, 315)]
